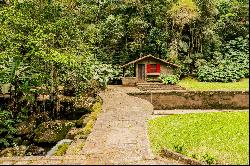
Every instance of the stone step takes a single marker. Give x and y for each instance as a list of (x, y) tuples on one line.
[(164, 87), (44, 160), (149, 83)]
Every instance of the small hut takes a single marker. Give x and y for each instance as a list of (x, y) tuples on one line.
[(147, 68)]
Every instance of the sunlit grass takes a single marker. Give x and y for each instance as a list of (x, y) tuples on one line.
[(219, 137), (192, 84)]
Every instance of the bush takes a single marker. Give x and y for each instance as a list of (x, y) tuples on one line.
[(231, 67), (225, 71), (169, 79), (7, 129)]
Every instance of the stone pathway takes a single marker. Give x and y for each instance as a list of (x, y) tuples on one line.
[(119, 136)]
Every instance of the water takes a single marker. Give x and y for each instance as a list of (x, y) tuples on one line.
[(54, 149)]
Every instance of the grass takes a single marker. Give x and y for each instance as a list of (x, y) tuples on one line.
[(192, 84), (61, 150), (220, 137)]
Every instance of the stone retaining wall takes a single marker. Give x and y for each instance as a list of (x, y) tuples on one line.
[(183, 99), (129, 81)]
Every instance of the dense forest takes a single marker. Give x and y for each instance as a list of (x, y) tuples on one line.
[(80, 44)]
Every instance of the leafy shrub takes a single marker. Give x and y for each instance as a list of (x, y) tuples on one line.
[(230, 67), (103, 73), (7, 128), (169, 79), (225, 71)]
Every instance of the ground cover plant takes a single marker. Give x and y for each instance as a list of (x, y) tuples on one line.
[(220, 137), (169, 79), (191, 83)]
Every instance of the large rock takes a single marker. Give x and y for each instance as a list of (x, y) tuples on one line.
[(52, 131), (15, 151), (8, 152), (73, 132), (82, 121), (35, 151), (26, 127)]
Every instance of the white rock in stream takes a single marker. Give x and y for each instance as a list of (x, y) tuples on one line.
[(54, 149)]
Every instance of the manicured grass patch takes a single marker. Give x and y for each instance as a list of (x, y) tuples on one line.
[(210, 137), (192, 84)]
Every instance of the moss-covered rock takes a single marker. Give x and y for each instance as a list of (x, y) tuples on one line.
[(82, 121), (15, 151), (8, 152), (95, 111), (26, 127), (52, 131), (35, 151), (72, 133)]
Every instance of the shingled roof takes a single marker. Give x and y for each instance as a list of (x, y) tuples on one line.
[(149, 56)]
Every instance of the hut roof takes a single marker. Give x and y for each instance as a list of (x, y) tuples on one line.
[(149, 56)]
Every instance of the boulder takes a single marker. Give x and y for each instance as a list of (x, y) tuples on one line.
[(82, 121), (73, 132), (21, 150), (52, 131), (7, 152), (90, 101), (15, 151), (25, 127), (40, 117), (35, 151), (25, 142)]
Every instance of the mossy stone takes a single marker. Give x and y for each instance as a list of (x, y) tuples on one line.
[(82, 121), (25, 128), (52, 131)]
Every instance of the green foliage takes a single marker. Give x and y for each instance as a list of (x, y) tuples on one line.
[(7, 128), (104, 73), (216, 138), (43, 46), (169, 79), (225, 71), (231, 66)]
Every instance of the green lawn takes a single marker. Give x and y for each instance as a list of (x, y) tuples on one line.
[(192, 84), (220, 137)]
